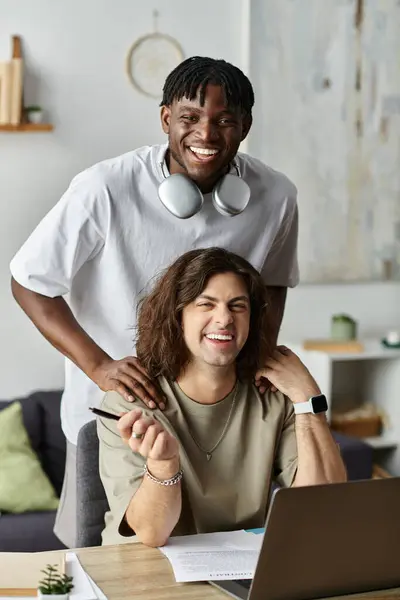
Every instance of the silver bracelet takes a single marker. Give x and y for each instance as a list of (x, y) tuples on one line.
[(171, 481)]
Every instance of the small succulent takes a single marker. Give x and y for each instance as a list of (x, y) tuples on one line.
[(33, 108), (342, 318), (54, 582)]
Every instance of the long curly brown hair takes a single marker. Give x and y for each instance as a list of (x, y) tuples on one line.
[(160, 344)]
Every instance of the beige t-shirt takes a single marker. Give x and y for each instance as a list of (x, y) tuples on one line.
[(230, 491)]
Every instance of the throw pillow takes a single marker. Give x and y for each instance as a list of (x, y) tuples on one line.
[(24, 486)]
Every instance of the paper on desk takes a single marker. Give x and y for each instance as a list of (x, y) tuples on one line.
[(82, 589), (99, 593), (226, 555)]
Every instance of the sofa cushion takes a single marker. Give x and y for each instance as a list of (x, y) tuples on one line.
[(32, 421), (52, 446), (24, 485), (41, 414)]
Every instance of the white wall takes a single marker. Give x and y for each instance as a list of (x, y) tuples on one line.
[(75, 53), (375, 306)]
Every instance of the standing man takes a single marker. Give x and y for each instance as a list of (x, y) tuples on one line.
[(115, 228)]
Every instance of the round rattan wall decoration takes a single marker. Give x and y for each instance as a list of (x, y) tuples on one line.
[(150, 59)]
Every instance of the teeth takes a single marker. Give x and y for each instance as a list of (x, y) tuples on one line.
[(217, 336), (205, 151)]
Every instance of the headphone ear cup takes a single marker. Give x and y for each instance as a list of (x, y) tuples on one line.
[(181, 196), (231, 195)]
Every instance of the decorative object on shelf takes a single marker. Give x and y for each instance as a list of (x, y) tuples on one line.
[(362, 422), (150, 59), (17, 81), (34, 114), (339, 346), (54, 585), (13, 116), (343, 328), (11, 80), (391, 339)]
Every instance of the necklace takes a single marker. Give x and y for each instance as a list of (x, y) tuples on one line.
[(209, 452)]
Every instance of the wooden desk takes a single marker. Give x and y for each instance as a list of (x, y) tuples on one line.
[(133, 571), (136, 571)]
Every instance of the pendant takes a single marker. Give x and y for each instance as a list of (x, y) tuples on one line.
[(209, 455)]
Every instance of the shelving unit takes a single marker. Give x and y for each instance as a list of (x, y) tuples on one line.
[(27, 127), (352, 379), (382, 442), (13, 88)]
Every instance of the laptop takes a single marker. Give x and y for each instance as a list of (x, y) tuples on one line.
[(327, 540)]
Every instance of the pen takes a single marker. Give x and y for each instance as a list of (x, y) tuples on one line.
[(103, 413)]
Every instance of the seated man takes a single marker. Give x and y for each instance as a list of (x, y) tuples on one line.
[(207, 462)]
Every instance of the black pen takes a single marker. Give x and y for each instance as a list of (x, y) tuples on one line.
[(103, 413)]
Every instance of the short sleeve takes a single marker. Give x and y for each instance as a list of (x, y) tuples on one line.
[(285, 463), (281, 266), (121, 470), (67, 237)]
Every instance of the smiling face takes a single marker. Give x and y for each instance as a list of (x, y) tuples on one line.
[(216, 324), (203, 140)]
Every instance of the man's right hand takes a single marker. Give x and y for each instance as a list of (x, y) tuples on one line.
[(129, 379), (154, 443)]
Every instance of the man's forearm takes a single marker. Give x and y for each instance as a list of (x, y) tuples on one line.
[(155, 509), (319, 459), (54, 319)]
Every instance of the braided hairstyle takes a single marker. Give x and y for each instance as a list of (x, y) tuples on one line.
[(194, 74)]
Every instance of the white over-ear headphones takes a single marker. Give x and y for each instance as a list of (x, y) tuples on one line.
[(181, 196)]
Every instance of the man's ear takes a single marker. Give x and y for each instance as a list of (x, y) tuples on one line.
[(246, 125), (165, 118)]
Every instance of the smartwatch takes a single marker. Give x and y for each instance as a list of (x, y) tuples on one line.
[(315, 405)]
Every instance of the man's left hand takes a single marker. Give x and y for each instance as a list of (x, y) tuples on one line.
[(285, 371)]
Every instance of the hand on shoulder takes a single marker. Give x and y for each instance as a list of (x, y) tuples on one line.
[(127, 377), (286, 372)]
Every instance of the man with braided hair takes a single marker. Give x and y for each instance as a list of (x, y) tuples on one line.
[(125, 218)]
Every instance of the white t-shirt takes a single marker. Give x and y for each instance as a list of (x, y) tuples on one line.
[(109, 235)]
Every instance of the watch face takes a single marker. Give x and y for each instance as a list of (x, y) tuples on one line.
[(319, 404)]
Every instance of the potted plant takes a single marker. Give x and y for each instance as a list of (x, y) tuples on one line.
[(343, 328), (34, 113), (54, 586)]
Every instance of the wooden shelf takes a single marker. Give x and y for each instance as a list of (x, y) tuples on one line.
[(27, 127)]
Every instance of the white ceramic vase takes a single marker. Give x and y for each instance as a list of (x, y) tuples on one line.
[(35, 116), (52, 596)]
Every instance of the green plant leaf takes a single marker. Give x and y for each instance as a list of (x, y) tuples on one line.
[(55, 582)]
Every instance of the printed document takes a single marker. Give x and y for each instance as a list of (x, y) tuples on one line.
[(213, 556)]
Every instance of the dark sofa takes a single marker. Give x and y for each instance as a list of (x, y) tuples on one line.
[(33, 531)]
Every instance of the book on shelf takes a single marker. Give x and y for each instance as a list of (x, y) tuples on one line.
[(17, 80), (5, 92), (11, 86)]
